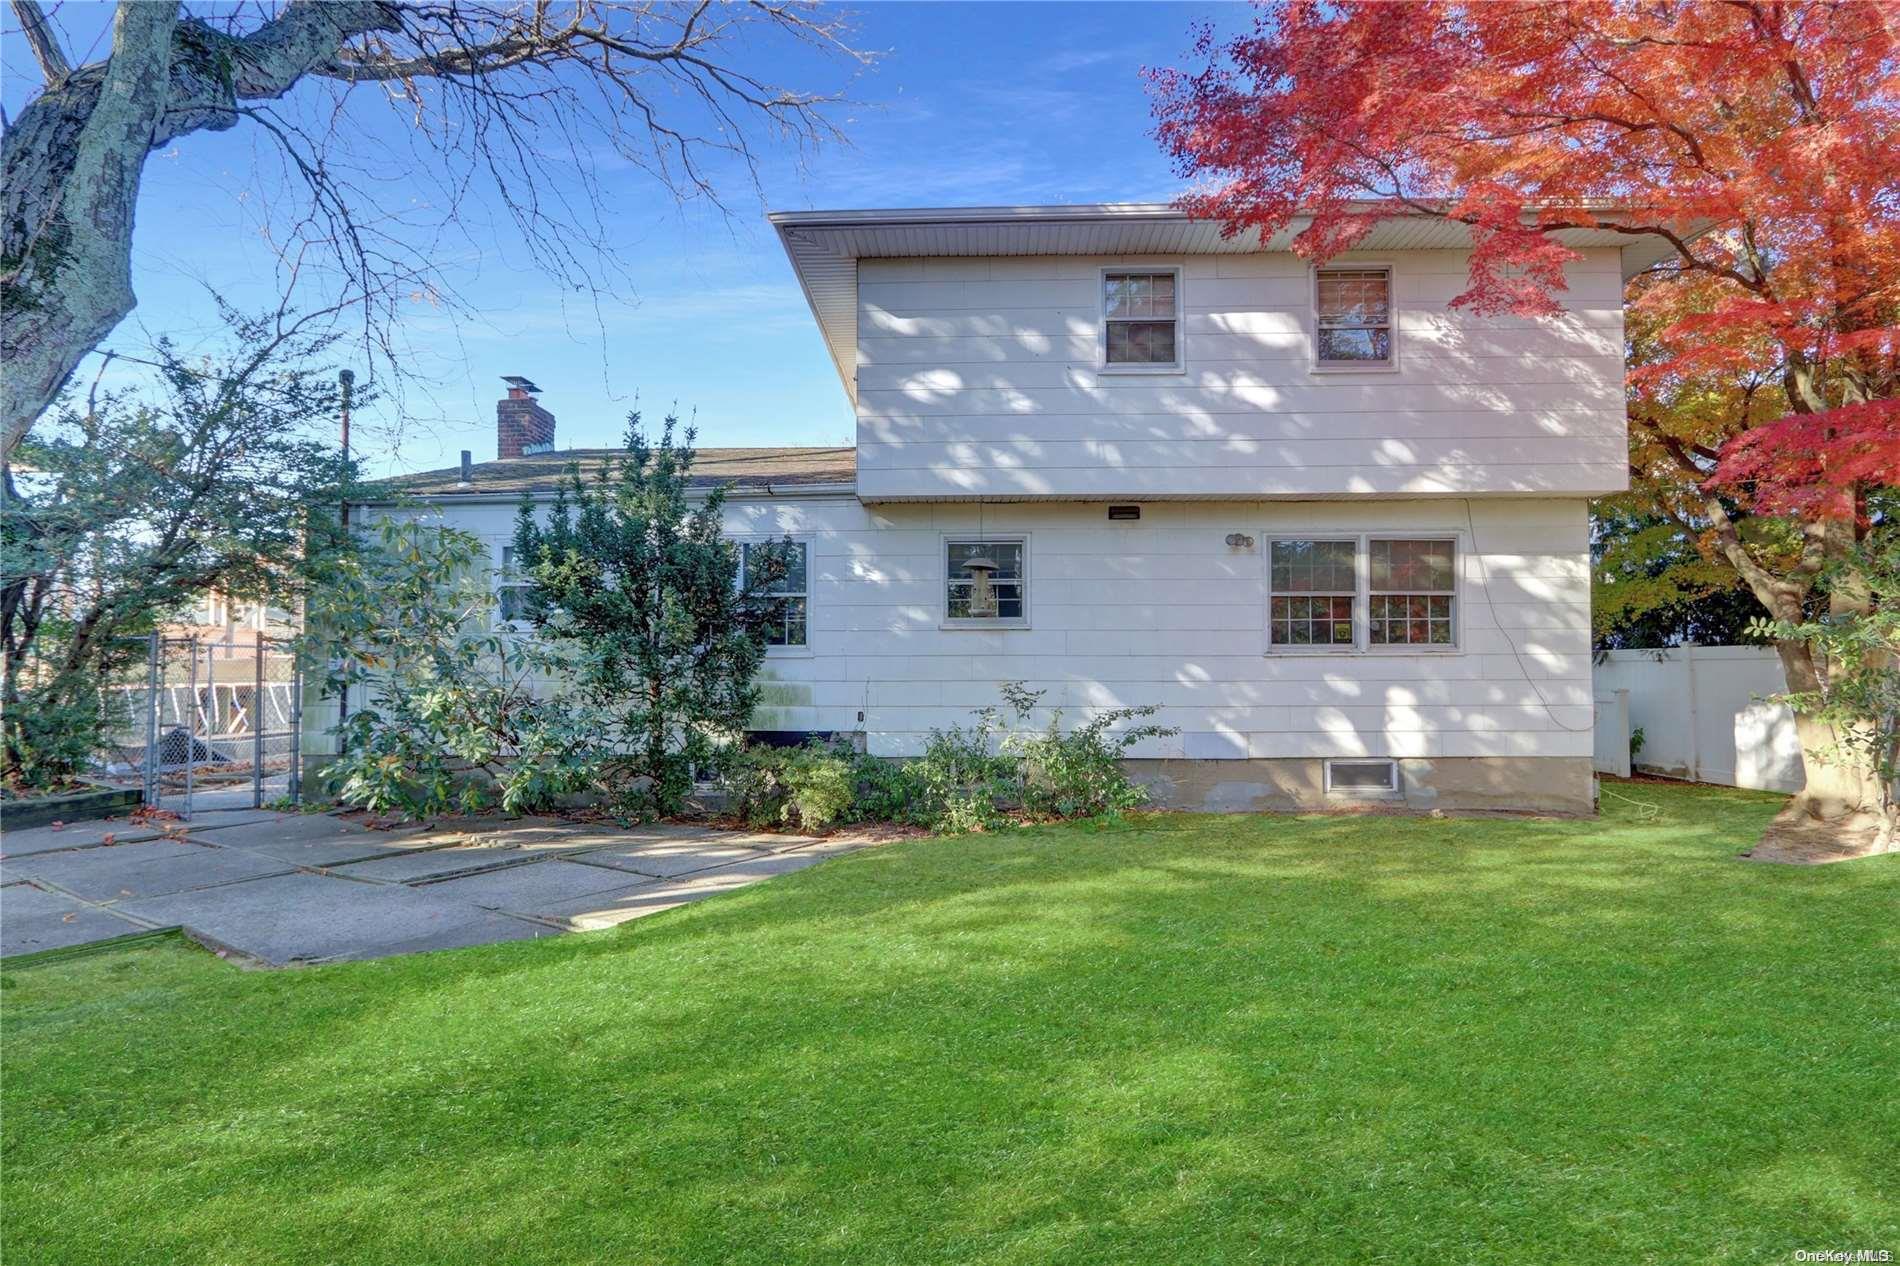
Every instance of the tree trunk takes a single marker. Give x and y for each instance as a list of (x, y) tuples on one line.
[(74, 159), (73, 162), (1843, 807)]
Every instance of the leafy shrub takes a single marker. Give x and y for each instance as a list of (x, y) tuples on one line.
[(959, 780), (819, 787), (883, 788), (439, 698), (811, 787), (1080, 774)]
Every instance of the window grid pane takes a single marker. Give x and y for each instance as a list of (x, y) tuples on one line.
[(1140, 312), (1006, 582), (1413, 592), (785, 598), (1355, 316), (1314, 587)]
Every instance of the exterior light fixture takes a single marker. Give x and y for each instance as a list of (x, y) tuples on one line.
[(1239, 540), (982, 592)]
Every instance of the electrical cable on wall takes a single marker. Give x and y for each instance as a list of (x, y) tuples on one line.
[(1484, 577)]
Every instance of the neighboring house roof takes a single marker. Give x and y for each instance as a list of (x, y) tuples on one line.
[(758, 469), (825, 246)]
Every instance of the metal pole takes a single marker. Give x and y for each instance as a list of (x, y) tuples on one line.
[(257, 721), (346, 384), (152, 754), (191, 723), (296, 734)]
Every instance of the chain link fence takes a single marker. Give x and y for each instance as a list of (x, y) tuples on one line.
[(202, 724)]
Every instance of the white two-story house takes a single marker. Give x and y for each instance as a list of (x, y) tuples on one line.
[(1335, 528)]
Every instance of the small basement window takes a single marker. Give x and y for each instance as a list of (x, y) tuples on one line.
[(1362, 778)]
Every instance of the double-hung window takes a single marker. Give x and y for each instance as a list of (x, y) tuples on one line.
[(1414, 584), (511, 591), (1354, 316), (1141, 318), (786, 599), (985, 580), (1369, 593), (1315, 589)]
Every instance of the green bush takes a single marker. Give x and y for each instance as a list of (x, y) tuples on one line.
[(1078, 774), (811, 787), (819, 787), (967, 779)]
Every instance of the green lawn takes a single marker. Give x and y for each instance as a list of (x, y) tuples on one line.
[(1176, 1040)]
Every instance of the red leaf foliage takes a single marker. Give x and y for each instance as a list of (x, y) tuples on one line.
[(1814, 463), (1757, 145)]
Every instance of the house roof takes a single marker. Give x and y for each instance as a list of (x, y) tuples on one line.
[(752, 469), (825, 246)]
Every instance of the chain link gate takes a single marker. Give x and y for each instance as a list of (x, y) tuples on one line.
[(202, 724)]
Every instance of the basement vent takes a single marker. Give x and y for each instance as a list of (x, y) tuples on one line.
[(1362, 778), (1124, 512)]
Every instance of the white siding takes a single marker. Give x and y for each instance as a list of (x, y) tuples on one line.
[(1162, 611), (979, 377)]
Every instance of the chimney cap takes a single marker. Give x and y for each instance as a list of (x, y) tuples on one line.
[(519, 383)]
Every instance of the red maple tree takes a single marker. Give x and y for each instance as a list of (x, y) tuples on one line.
[(1759, 142)]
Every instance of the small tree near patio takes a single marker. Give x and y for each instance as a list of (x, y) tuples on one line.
[(637, 582), (127, 506), (1757, 144)]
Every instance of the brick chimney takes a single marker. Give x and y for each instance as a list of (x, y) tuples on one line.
[(522, 426)]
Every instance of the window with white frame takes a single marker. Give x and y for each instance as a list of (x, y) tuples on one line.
[(787, 599), (1354, 316), (985, 580), (1314, 589), (511, 591), (1414, 589), (1141, 317)]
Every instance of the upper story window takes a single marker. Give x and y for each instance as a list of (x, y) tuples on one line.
[(1141, 318), (985, 580), (787, 599), (1354, 316)]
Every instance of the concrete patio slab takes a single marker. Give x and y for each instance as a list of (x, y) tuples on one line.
[(368, 894), (58, 866), (440, 863), (218, 819), (32, 920), (321, 839), (147, 869), (665, 859), (46, 839), (612, 908), (525, 889), (305, 918)]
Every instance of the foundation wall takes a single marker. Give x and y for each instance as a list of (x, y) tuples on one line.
[(1544, 784)]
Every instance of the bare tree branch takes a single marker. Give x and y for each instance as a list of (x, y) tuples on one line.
[(44, 43), (526, 98)]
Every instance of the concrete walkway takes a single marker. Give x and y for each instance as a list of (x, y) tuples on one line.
[(291, 888)]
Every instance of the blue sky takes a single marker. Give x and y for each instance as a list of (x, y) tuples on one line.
[(970, 104)]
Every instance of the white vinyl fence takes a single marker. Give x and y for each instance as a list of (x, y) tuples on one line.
[(1702, 716)]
